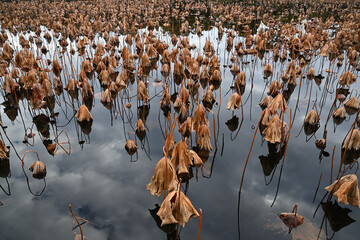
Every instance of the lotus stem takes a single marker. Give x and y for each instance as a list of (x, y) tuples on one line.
[(81, 231)]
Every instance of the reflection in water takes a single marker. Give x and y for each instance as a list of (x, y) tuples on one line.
[(337, 216)]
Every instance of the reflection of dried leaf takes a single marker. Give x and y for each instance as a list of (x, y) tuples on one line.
[(4, 167), (51, 148), (338, 217), (175, 209), (169, 229), (346, 190), (3, 151), (156, 185)]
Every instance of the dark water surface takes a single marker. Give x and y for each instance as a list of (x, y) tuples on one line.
[(107, 187)]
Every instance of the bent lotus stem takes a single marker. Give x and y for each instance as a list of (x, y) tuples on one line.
[(317, 188), (61, 143), (200, 223), (81, 231), (332, 165), (295, 209), (243, 174)]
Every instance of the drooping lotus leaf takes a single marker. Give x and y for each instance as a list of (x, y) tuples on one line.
[(346, 190), (156, 185), (176, 209)]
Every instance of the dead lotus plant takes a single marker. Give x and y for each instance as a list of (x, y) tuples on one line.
[(346, 190), (158, 182), (176, 208)]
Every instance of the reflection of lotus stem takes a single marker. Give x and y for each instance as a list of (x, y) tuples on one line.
[(317, 188), (332, 165), (81, 232), (243, 174), (283, 160)]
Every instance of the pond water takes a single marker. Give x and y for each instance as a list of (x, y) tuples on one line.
[(107, 187)]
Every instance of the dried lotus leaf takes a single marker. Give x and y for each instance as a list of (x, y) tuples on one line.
[(157, 183), (175, 209), (346, 190)]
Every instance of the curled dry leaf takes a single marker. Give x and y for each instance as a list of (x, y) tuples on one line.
[(203, 140), (181, 158), (268, 70), (83, 114), (266, 102), (185, 128), (352, 142), (312, 118), (156, 185), (198, 118), (347, 78), (274, 88), (37, 97), (292, 220), (165, 101), (176, 209), (339, 113), (234, 101), (277, 103), (38, 169), (346, 190), (265, 118), (140, 129), (131, 147), (352, 105), (275, 133), (142, 92), (196, 159)]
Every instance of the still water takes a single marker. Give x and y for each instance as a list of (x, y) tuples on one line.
[(107, 187)]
